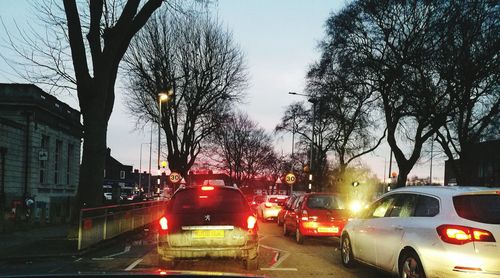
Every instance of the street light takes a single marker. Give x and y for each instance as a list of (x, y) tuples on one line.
[(162, 96), (312, 100)]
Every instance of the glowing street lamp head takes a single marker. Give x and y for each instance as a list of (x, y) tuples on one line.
[(163, 96)]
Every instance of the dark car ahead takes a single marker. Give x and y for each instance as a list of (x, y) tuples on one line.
[(208, 221)]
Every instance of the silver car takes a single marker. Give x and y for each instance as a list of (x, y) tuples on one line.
[(428, 231)]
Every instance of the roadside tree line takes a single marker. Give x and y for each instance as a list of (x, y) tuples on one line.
[(410, 72)]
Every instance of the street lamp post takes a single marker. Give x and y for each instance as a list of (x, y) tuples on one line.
[(313, 101), (163, 96)]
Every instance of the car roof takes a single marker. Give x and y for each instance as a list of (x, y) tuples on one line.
[(192, 187), (277, 196), (446, 190)]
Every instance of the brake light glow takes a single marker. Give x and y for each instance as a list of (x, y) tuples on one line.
[(268, 205), (466, 268), (304, 216), (460, 235), (164, 223), (207, 188), (251, 220)]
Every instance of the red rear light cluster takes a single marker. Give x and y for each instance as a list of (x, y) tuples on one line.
[(164, 223), (459, 235), (251, 221), (305, 215)]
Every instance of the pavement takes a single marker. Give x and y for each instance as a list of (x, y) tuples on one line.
[(47, 241)]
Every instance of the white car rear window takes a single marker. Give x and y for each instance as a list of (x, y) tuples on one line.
[(480, 208)]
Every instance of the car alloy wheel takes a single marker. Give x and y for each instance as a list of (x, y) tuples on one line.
[(410, 266), (346, 252)]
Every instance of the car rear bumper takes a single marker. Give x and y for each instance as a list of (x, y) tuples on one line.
[(321, 229), (248, 251), (270, 213)]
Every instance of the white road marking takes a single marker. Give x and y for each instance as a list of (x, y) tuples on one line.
[(77, 260), (272, 248), (278, 269), (126, 250), (281, 259), (134, 264), (103, 259)]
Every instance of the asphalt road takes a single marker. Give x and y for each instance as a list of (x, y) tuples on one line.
[(279, 257)]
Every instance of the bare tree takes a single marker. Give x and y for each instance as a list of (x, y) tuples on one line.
[(347, 106), (243, 149), (82, 49), (469, 64), (392, 43), (195, 58)]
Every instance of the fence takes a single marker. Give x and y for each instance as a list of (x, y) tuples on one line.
[(97, 224)]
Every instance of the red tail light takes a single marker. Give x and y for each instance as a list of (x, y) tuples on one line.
[(305, 215), (268, 205), (251, 220), (459, 235), (207, 188), (253, 203), (164, 223)]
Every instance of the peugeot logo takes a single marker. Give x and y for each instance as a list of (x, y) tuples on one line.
[(207, 217)]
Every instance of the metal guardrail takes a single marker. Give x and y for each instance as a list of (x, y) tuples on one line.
[(98, 224)]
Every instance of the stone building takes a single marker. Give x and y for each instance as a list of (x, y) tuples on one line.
[(40, 141)]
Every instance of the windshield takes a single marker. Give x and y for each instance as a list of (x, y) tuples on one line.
[(246, 136)]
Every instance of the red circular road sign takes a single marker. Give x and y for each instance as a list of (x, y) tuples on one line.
[(175, 177)]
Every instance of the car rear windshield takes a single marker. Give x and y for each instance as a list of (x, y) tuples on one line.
[(324, 202), (217, 200), (480, 208)]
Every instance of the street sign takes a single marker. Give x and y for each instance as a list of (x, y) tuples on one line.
[(290, 178), (175, 177)]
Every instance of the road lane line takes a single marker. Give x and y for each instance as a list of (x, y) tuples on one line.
[(279, 269), (272, 248), (282, 259), (126, 250), (134, 264), (77, 260), (103, 259)]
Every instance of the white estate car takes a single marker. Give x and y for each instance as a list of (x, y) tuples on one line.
[(428, 231)]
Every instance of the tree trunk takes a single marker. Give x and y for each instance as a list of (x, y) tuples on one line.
[(95, 119), (403, 174)]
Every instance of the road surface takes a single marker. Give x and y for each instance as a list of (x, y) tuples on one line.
[(279, 257)]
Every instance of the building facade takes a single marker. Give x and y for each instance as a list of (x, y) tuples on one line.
[(117, 177), (483, 167), (40, 142)]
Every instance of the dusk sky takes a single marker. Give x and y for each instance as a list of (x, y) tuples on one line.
[(279, 39)]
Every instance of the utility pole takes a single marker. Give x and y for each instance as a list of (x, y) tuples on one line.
[(432, 154), (150, 151)]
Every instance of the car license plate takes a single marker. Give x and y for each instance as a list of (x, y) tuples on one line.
[(328, 230), (208, 233)]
